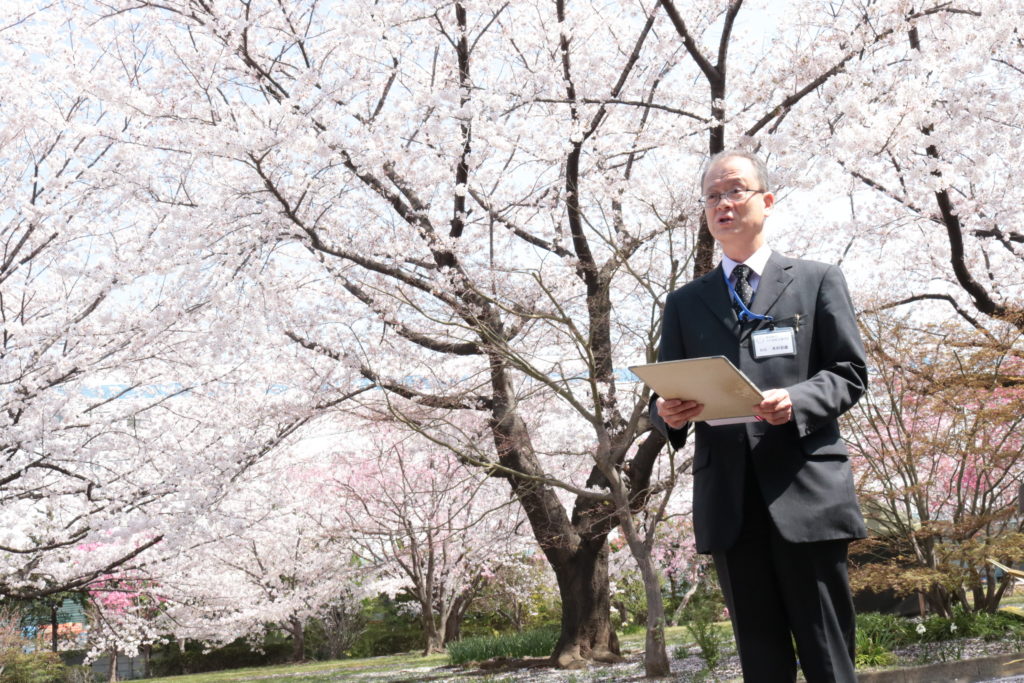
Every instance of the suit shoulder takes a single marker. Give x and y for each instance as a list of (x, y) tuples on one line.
[(693, 286), (808, 267)]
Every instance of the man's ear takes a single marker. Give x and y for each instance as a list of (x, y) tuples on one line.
[(769, 201)]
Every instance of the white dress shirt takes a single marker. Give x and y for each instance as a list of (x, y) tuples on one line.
[(757, 263)]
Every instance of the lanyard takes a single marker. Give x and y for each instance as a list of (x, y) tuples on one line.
[(745, 314)]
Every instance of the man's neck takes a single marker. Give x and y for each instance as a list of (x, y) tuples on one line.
[(739, 249), (757, 261), (740, 254), (739, 257)]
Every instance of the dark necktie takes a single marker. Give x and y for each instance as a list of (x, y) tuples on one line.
[(743, 288)]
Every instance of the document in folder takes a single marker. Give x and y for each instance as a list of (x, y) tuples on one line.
[(728, 396)]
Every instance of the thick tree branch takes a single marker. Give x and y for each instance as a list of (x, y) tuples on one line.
[(705, 65), (17, 593), (642, 104), (465, 129), (974, 322), (429, 343)]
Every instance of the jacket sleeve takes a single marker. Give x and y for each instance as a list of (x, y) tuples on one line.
[(841, 376), (671, 349)]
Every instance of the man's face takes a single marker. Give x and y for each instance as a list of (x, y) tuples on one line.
[(737, 224)]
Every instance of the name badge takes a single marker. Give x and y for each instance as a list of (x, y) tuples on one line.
[(778, 342)]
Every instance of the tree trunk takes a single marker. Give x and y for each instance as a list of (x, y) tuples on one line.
[(940, 601), (623, 611), (655, 656), (453, 628), (987, 598), (576, 548), (453, 624), (298, 634), (113, 666), (677, 616), (54, 626), (433, 629), (433, 635), (587, 632), (656, 662)]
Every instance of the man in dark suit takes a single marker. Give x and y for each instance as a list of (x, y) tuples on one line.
[(773, 499)]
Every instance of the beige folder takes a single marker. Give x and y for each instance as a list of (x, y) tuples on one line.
[(728, 396)]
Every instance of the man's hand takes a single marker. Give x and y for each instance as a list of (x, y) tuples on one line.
[(776, 408), (676, 412)]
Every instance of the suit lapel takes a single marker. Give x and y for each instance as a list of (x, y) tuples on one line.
[(774, 280), (715, 295)]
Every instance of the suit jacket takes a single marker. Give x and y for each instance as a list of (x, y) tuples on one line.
[(801, 467)]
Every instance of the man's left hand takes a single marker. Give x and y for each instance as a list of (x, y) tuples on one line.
[(776, 408)]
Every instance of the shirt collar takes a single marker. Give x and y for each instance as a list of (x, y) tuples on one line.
[(757, 262)]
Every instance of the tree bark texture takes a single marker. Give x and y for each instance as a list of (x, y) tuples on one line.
[(587, 632), (298, 634)]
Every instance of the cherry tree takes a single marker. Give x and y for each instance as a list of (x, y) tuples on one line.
[(248, 557), (307, 529), (67, 325), (121, 413), (424, 525), (122, 614), (928, 159)]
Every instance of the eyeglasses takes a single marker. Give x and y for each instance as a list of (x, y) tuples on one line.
[(735, 196)]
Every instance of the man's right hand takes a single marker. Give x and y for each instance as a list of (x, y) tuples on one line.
[(676, 412)]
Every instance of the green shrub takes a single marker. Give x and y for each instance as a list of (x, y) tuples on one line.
[(79, 673), (171, 660), (629, 601), (388, 627), (709, 639), (701, 616), (996, 626), (537, 642), (873, 654), (987, 625), (942, 638), (31, 667), (877, 631), (935, 628)]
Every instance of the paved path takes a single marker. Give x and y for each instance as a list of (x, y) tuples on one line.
[(1000, 669)]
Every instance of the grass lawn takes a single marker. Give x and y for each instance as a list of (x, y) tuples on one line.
[(410, 666), (414, 663)]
